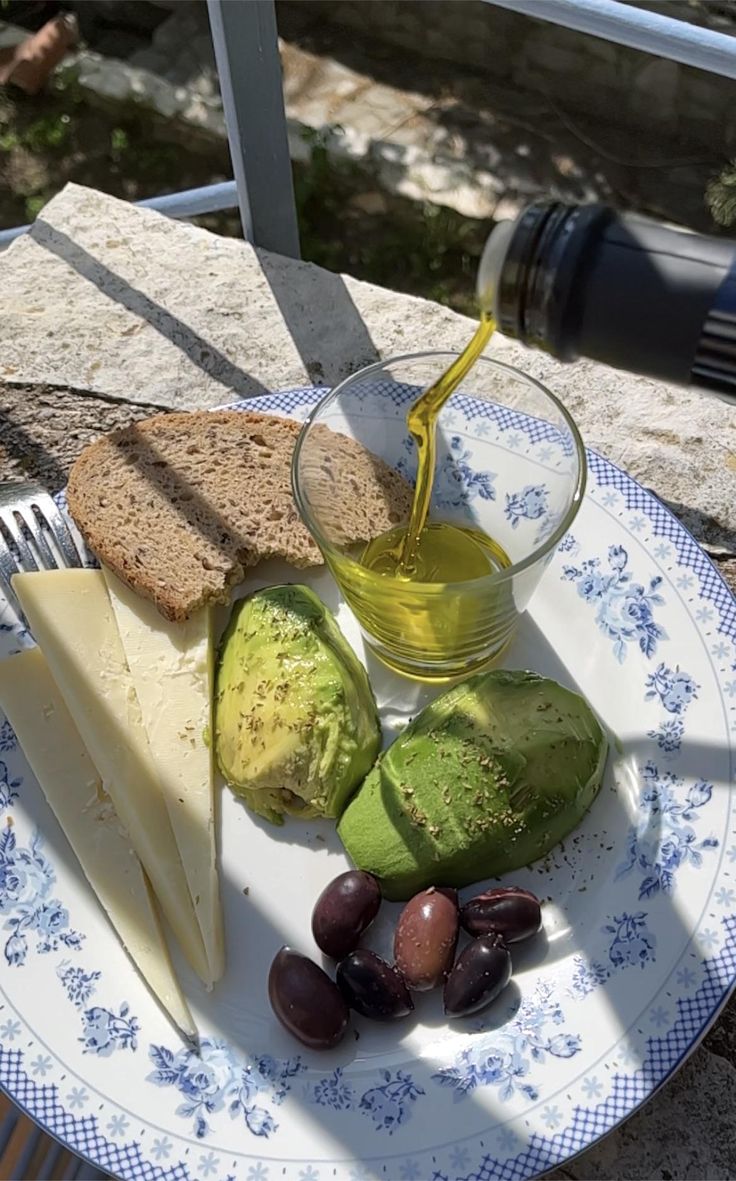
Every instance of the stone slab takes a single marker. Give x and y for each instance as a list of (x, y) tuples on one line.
[(44, 428), (124, 302)]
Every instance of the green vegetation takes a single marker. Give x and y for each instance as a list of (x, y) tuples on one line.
[(720, 196), (47, 132), (33, 206), (345, 224), (119, 141)]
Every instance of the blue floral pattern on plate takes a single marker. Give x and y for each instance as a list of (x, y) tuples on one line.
[(78, 985), (668, 735), (624, 609), (8, 741), (664, 840), (458, 482), (632, 944), (505, 1060), (27, 879), (105, 1031), (530, 504), (632, 568), (26, 886), (8, 787), (389, 1104), (217, 1079), (674, 687)]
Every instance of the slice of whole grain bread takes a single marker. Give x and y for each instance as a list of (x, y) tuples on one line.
[(180, 505)]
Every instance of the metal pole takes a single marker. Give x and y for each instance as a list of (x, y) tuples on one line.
[(245, 40), (189, 203), (195, 202), (651, 32)]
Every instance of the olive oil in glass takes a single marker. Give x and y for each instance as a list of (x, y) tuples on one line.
[(437, 554)]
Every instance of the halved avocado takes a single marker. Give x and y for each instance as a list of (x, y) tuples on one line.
[(296, 726), (487, 778)]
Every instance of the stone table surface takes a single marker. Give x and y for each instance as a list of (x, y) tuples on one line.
[(110, 312)]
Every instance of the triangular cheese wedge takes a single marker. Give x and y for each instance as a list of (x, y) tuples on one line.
[(35, 709), (172, 669), (71, 619)]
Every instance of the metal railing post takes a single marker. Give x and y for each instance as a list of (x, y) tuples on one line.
[(656, 33), (245, 41), (187, 203)]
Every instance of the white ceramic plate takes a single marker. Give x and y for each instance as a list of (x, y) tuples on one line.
[(639, 950)]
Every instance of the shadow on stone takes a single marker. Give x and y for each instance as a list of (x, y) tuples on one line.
[(200, 352), (317, 308), (704, 528)]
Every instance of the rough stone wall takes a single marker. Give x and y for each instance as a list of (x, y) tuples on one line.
[(682, 106)]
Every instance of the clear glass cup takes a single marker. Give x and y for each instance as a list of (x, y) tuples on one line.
[(510, 463)]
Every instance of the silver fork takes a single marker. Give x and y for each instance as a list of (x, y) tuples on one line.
[(33, 535)]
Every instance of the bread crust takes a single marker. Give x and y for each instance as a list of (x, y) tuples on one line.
[(181, 505)]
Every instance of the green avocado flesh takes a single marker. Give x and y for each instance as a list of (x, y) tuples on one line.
[(489, 777), (296, 726)]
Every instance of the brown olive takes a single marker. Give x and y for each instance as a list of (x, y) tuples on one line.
[(482, 971), (426, 937), (372, 987), (344, 910), (306, 1001), (509, 911)]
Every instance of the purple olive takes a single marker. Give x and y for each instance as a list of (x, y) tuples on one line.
[(426, 937), (306, 1001), (372, 987), (344, 910), (509, 911), (481, 972)]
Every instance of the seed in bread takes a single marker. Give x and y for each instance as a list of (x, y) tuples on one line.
[(180, 505)]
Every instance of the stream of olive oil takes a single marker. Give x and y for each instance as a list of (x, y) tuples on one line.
[(436, 552), (409, 586)]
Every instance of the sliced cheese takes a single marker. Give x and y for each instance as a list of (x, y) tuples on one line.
[(71, 619), (55, 752), (172, 669)]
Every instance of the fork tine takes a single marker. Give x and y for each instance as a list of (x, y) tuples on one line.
[(48, 558), (10, 595), (33, 533), (8, 567), (14, 530), (46, 507)]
